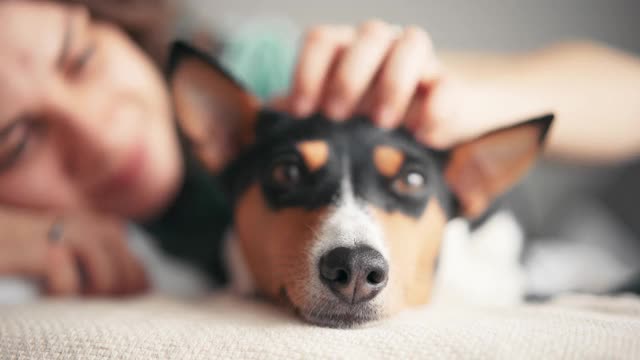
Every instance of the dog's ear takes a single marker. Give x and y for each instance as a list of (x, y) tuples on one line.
[(481, 169), (214, 112)]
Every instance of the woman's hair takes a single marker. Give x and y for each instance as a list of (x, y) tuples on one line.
[(147, 22)]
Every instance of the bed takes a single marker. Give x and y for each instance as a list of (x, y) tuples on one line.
[(226, 327)]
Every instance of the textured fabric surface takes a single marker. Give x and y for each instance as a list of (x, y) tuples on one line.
[(225, 327)]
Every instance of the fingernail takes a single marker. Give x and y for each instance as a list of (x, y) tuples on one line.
[(385, 117), (337, 109), (302, 106)]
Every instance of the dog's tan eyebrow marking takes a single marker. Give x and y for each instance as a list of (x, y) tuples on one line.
[(314, 152), (388, 160)]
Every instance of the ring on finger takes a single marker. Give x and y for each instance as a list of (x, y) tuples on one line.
[(56, 231)]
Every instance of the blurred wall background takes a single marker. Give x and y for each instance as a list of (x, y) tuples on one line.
[(458, 24)]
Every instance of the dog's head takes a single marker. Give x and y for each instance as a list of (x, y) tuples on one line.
[(343, 221)]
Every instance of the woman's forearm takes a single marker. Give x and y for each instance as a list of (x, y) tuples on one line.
[(593, 90)]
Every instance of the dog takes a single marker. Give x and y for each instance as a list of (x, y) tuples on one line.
[(343, 222)]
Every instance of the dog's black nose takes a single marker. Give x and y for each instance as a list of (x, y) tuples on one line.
[(354, 274)]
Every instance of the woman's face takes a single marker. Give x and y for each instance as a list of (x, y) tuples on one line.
[(85, 118)]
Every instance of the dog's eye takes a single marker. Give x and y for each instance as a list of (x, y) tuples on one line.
[(411, 182), (286, 174)]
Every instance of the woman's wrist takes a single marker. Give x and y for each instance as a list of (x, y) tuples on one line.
[(464, 108)]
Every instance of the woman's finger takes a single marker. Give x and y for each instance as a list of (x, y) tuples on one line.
[(367, 102), (321, 47), (410, 63), (436, 118), (131, 277), (97, 270), (416, 118), (62, 277), (357, 67)]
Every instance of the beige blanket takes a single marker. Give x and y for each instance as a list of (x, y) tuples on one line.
[(225, 327)]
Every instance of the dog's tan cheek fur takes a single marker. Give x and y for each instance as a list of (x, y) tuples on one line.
[(276, 245), (413, 246)]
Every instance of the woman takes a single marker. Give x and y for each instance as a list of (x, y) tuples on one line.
[(81, 72), (86, 128)]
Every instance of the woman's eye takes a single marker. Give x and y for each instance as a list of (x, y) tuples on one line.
[(80, 62), (13, 140), (409, 183), (286, 174)]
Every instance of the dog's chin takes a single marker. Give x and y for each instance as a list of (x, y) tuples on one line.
[(333, 313), (351, 319)]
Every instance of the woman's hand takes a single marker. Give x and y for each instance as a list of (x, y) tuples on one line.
[(76, 254), (376, 69), (92, 257), (392, 74)]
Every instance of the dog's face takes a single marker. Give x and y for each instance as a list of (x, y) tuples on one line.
[(342, 221)]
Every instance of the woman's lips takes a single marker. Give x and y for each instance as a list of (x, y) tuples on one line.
[(129, 172)]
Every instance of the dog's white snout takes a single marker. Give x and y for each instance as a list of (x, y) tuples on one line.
[(349, 225)]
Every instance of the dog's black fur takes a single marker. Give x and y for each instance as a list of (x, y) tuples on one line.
[(351, 147)]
